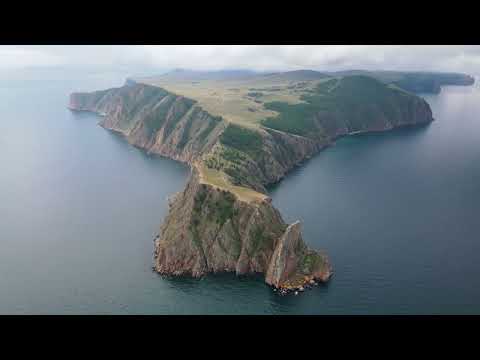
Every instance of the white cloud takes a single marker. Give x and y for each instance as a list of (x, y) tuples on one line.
[(12, 57), (262, 58)]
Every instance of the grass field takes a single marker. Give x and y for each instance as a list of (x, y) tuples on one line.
[(218, 179), (238, 101)]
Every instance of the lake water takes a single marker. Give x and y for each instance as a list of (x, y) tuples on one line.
[(397, 213)]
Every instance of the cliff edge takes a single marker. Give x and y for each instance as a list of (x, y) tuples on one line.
[(210, 230)]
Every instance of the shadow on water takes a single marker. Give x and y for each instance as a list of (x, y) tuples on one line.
[(220, 280), (248, 291)]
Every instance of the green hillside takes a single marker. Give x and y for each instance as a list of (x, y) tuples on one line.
[(352, 101)]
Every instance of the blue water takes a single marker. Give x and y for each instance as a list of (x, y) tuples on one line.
[(397, 213)]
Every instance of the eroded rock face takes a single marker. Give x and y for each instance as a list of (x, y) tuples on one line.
[(293, 264), (153, 119), (210, 230)]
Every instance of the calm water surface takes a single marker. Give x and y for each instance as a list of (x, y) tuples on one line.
[(397, 213)]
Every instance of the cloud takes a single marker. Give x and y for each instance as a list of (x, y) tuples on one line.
[(12, 57), (261, 58)]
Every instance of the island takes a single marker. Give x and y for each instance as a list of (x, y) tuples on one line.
[(241, 132)]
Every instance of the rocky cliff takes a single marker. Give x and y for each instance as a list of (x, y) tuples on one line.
[(293, 264), (153, 119), (224, 219), (210, 230)]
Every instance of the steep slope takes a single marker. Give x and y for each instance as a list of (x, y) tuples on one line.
[(348, 105), (153, 119), (256, 158), (211, 230), (224, 219), (293, 264)]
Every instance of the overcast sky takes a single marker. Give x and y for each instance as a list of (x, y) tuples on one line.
[(261, 58)]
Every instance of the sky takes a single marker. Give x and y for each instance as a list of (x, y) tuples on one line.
[(453, 58)]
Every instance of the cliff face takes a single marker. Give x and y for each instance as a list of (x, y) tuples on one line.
[(153, 119), (210, 230), (294, 264), (286, 150), (358, 104), (265, 158), (223, 220)]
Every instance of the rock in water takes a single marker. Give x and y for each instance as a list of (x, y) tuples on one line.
[(293, 264)]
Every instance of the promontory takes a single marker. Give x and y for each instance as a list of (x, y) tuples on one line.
[(241, 133)]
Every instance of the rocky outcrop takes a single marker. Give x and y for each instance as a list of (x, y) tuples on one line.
[(285, 151), (153, 119), (266, 162), (209, 230), (293, 264)]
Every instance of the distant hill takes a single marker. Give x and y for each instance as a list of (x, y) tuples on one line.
[(241, 96), (296, 75), (194, 75), (415, 82), (229, 75)]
